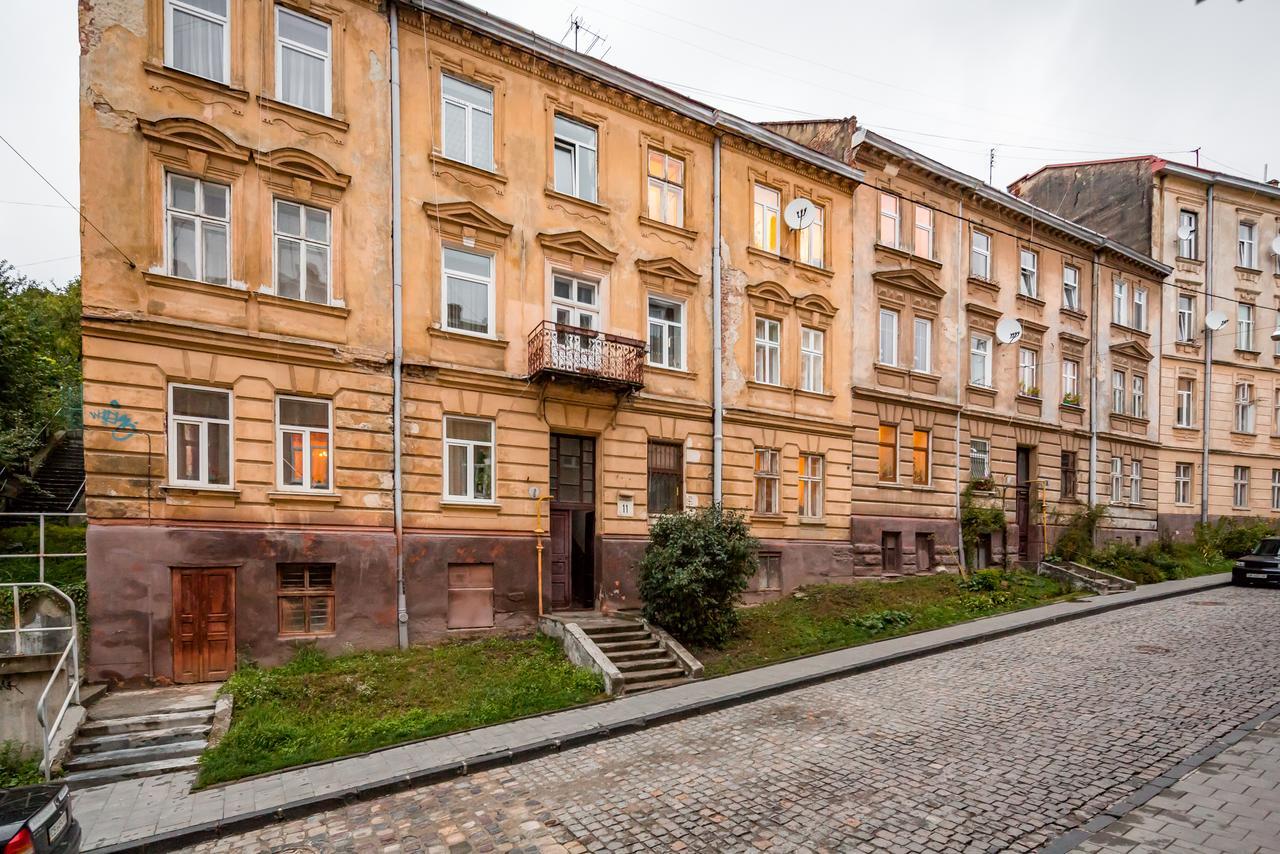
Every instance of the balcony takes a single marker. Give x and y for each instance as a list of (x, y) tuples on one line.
[(585, 355)]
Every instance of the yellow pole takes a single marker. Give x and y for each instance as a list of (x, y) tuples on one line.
[(538, 532)]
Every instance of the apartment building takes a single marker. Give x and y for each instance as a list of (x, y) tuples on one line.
[(1220, 387)]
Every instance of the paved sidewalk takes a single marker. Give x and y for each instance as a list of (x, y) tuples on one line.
[(163, 810)]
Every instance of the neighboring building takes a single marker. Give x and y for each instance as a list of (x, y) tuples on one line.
[(1224, 261)]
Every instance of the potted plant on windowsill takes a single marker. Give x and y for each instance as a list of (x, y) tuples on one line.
[(1071, 399), (1029, 391), (982, 484)]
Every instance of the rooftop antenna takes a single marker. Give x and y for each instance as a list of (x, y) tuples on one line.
[(1197, 151), (991, 166), (578, 28)]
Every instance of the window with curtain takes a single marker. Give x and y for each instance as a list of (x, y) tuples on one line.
[(811, 466), (1028, 372), (890, 220), (924, 232), (467, 114), (888, 442), (666, 187), (1183, 411), (768, 351), (921, 458), (1186, 317), (888, 337), (1117, 480), (1245, 408), (198, 220), (1247, 245), (980, 255), (768, 480), (468, 291), (1182, 483), (468, 458), (199, 436), (980, 360), (303, 61), (1118, 380), (1240, 486), (812, 239), (196, 37), (766, 218), (302, 252), (1135, 482), (1138, 399), (1120, 302), (922, 350), (1028, 279), (666, 333), (1244, 326), (1071, 287), (1071, 382), (812, 344), (304, 435), (575, 158)]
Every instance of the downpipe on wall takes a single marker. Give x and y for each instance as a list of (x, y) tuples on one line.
[(397, 330)]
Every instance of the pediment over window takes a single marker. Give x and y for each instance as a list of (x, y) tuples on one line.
[(770, 297), (1132, 350), (577, 243), (465, 219), (192, 134), (908, 280), (668, 275), (816, 306), (294, 163)]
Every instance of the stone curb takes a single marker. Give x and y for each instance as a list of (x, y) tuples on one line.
[(488, 755), (1121, 808)]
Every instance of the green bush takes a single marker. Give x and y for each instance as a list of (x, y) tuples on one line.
[(19, 766), (881, 621), (984, 580), (1232, 536), (1075, 541), (990, 601), (693, 571)]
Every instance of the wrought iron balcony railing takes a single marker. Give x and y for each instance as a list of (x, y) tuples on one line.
[(598, 358)]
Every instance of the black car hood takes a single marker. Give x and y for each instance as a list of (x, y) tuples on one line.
[(18, 805)]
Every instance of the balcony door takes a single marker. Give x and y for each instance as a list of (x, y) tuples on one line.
[(575, 303)]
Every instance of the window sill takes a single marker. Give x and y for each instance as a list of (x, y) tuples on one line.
[(164, 280), (193, 489), (285, 496), (1244, 435), (766, 255), (816, 395), (438, 159), (1251, 353), (1032, 398), (1248, 271), (812, 520), (496, 342), (825, 272), (768, 518), (907, 487), (1182, 259), (458, 504), (1028, 299), (907, 255), (677, 230), (1071, 407), (217, 496), (768, 386), (1133, 330), (984, 283), (195, 80), (1186, 428), (594, 207), (303, 305), (271, 105), (1073, 313), (679, 373), (305, 636)]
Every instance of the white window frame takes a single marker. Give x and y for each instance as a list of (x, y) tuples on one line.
[(1245, 408), (200, 219), (1182, 475), (1117, 480), (1275, 411), (665, 327), (922, 332), (888, 345), (489, 283), (1247, 244), (1190, 247), (1138, 396), (980, 355), (770, 476), (1275, 489), (768, 348), (1070, 287), (813, 239), (575, 148), (811, 498), (1028, 371), (223, 21), (304, 243), (1244, 326), (1119, 396), (1120, 302), (1071, 379), (1184, 409), (924, 230), (202, 482), (813, 345), (306, 431), (1028, 274), (327, 56), (1139, 316), (663, 184), (894, 215), (1240, 486), (1186, 315), (984, 456), (984, 254), (1135, 482), (470, 445), (469, 127), (764, 210)]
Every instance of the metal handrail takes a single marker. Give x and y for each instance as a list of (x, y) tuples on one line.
[(42, 554), (76, 497)]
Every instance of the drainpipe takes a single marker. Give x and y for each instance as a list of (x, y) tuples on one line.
[(397, 331), (1094, 399), (1208, 360), (962, 334), (717, 337)]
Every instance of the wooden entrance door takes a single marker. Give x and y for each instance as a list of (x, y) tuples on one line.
[(1024, 503), (561, 557), (204, 624)]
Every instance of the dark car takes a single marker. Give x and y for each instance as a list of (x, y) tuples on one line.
[(1261, 567), (37, 820)]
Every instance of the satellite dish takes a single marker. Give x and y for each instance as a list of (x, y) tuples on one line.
[(1275, 246), (1184, 232), (1275, 334), (800, 214), (1008, 330), (1215, 320)]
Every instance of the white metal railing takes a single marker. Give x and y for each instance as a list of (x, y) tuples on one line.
[(40, 554)]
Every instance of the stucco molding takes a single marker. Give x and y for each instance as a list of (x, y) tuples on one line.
[(909, 280), (465, 219), (668, 275), (1132, 350), (283, 167), (195, 146), (573, 244)]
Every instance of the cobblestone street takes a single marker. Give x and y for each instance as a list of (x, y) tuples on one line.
[(1000, 746)]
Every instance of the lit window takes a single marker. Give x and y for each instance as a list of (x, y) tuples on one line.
[(980, 255), (1028, 283), (302, 61), (1189, 221), (199, 436), (305, 598), (302, 252), (304, 436), (666, 188), (1240, 487), (468, 453), (1245, 408), (811, 466), (888, 440), (575, 159), (980, 360), (768, 480), (1183, 412), (1028, 373), (812, 239), (196, 37), (666, 333), (924, 232), (979, 459), (467, 134), (768, 351), (666, 477), (198, 216), (1247, 245), (921, 465), (468, 291), (1244, 326), (1186, 317), (766, 219), (890, 220), (922, 352), (888, 337), (1182, 483), (1117, 392), (1071, 287), (812, 344)]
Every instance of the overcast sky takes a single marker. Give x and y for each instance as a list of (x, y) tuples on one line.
[(1039, 80)]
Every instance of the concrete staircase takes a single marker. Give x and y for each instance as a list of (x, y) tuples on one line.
[(1081, 577), (59, 478), (640, 656)]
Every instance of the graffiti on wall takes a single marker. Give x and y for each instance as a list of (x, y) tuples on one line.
[(121, 423)]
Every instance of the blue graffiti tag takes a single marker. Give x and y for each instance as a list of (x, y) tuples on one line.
[(122, 425)]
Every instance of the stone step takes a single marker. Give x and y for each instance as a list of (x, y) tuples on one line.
[(640, 677), (141, 738), (620, 655), (661, 683), (101, 776), (628, 646), (136, 755), (654, 662), (138, 723), (612, 628), (617, 637)]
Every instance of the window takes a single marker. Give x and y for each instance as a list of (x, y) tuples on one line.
[(575, 302), (1183, 416), (1275, 489), (1275, 411), (1186, 317), (1117, 392), (811, 466), (1189, 221), (766, 221), (302, 252), (468, 453), (1028, 383), (198, 214), (195, 37), (769, 575), (768, 351), (666, 188), (1071, 287), (1139, 397), (768, 480), (1120, 302), (1139, 308), (305, 598), (812, 239), (1135, 481), (468, 291), (199, 436), (1240, 487), (468, 122), (891, 552), (811, 359), (980, 360), (1182, 483), (1069, 475), (666, 333), (1244, 326), (1071, 382), (922, 353), (302, 61), (888, 440), (921, 465), (304, 435), (890, 220), (1245, 408), (888, 337), (1247, 245), (980, 255), (1117, 480), (925, 551), (979, 459), (575, 159), (924, 232), (666, 477), (1028, 284)]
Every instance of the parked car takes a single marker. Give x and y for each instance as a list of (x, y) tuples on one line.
[(1260, 567), (38, 820)]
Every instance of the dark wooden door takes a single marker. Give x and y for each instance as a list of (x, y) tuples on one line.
[(561, 557), (204, 624), (1024, 503)]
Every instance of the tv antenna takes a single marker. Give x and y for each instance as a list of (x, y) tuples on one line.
[(578, 29)]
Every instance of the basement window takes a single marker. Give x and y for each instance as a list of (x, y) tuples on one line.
[(305, 598)]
